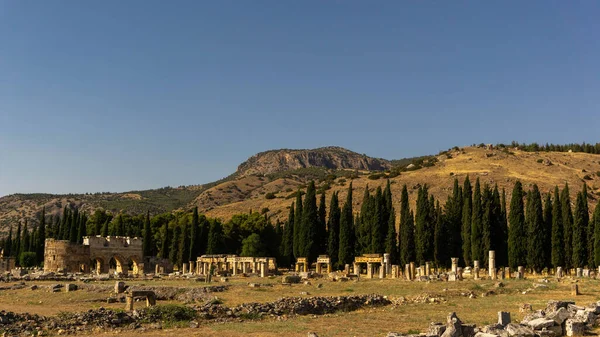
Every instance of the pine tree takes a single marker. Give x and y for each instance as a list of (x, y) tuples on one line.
[(346, 247), (16, 249), (148, 247), (378, 227), (364, 223), (453, 220), (82, 230), (589, 231), (74, 227), (215, 238), (322, 228), (466, 221), (596, 221), (310, 224), (407, 230), (105, 228), (567, 226), (423, 228), (288, 238), (476, 225), (517, 232), (579, 228), (486, 224), (41, 243), (165, 242), (441, 257), (558, 253), (194, 236), (25, 239), (535, 230), (298, 228), (333, 226)]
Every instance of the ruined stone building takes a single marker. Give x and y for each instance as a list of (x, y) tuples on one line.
[(6, 263), (96, 253)]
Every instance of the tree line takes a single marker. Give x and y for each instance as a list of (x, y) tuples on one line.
[(539, 231)]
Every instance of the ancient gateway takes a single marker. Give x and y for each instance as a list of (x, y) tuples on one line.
[(97, 253)]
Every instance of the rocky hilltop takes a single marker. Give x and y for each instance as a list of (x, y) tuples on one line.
[(331, 157)]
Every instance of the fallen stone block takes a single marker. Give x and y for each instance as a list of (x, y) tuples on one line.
[(585, 316), (559, 316), (514, 329), (540, 323), (436, 329), (291, 279), (485, 334), (503, 318), (574, 328)]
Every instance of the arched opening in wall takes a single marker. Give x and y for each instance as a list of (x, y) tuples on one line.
[(118, 265), (98, 266), (135, 264)]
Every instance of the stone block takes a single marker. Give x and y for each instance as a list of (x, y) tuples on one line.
[(291, 279), (119, 287), (514, 329), (575, 290), (70, 287), (559, 316), (574, 328), (503, 318), (436, 329), (585, 316), (540, 323), (485, 334)]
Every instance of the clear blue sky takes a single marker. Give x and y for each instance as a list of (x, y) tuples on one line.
[(122, 95)]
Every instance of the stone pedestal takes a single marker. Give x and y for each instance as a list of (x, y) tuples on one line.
[(263, 269), (347, 268), (459, 274), (369, 270), (157, 269), (184, 268), (503, 318), (382, 271), (507, 272), (454, 264), (427, 269), (559, 272), (387, 263), (412, 271), (191, 267), (492, 264), (407, 272), (575, 290), (520, 272), (356, 268), (395, 271), (579, 272), (476, 270)]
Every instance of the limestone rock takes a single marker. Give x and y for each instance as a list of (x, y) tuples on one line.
[(484, 334), (574, 328), (540, 323), (514, 329), (559, 316), (453, 326), (291, 279)]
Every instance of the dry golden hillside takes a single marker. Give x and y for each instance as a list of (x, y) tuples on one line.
[(546, 169)]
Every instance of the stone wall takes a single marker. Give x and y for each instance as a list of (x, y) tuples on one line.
[(64, 256)]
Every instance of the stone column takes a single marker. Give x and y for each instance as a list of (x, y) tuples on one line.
[(559, 272), (263, 269), (191, 267), (427, 269), (476, 270), (318, 266), (329, 268), (520, 272), (382, 271), (407, 271), (459, 273), (507, 272), (369, 270), (387, 263), (579, 272), (355, 268), (156, 269), (347, 268), (244, 267), (422, 270), (412, 271), (394, 271), (184, 268), (492, 264), (454, 264), (235, 267)]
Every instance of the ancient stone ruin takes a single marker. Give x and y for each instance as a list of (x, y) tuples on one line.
[(94, 254), (6, 263)]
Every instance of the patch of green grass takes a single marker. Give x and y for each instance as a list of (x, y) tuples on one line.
[(169, 313), (348, 290)]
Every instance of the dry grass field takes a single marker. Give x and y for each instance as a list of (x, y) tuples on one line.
[(481, 309)]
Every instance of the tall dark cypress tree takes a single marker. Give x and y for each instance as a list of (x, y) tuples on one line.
[(378, 227), (82, 230), (596, 220), (499, 240), (310, 224), (441, 257), (203, 226), (74, 227), (453, 220), (9, 243), (184, 240), (148, 245), (567, 214), (333, 226), (487, 215), (165, 242), (41, 243), (391, 243), (476, 225), (174, 249), (589, 231), (194, 236), (25, 239), (503, 259), (558, 253), (423, 228), (548, 220), (535, 230), (364, 223), (407, 230), (322, 228), (517, 232), (105, 228), (64, 225), (298, 227), (16, 249), (466, 221), (579, 228), (288, 238), (346, 247)]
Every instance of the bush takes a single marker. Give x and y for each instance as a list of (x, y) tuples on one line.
[(28, 259), (598, 173), (169, 312), (587, 177), (540, 160), (375, 176), (270, 196)]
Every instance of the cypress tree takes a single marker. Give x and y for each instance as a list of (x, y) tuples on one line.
[(25, 239), (41, 243), (16, 249), (558, 253), (184, 241), (165, 243), (63, 233), (333, 225), (105, 228), (74, 227), (298, 228), (466, 221), (391, 245), (322, 229), (517, 233), (579, 228), (453, 220), (364, 223), (596, 221), (535, 230), (346, 247), (499, 238), (148, 244), (441, 257), (567, 226), (548, 220), (215, 237), (486, 224), (174, 249), (203, 228), (476, 225), (195, 236), (503, 258), (9, 242), (589, 232), (378, 231), (32, 240), (423, 228), (310, 224), (407, 230), (82, 230), (288, 238)]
